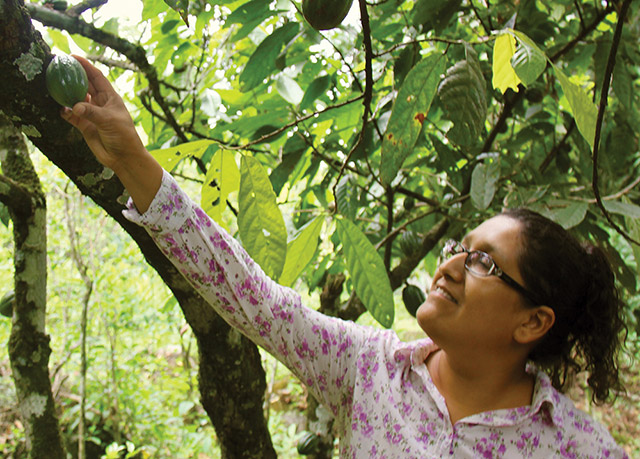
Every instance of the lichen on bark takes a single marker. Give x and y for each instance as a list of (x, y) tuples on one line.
[(29, 63)]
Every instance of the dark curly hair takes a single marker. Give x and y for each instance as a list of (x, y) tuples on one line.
[(575, 280)]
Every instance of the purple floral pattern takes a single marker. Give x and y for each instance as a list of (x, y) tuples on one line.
[(378, 388)]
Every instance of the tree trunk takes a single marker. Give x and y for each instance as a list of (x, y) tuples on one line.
[(232, 381), (29, 348)]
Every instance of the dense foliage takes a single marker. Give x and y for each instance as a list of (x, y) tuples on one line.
[(357, 150)]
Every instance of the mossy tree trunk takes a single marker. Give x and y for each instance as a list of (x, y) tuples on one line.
[(29, 348), (232, 380)]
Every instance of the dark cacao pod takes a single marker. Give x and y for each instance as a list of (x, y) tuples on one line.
[(325, 14), (413, 297), (6, 304)]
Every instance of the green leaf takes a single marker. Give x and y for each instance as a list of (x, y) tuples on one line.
[(580, 105), (483, 184), (504, 76), (622, 208), (181, 7), (434, 14), (367, 272), (300, 251), (59, 40), (347, 197), (292, 151), (289, 89), (409, 112), (249, 15), (223, 177), (464, 95), (260, 222), (249, 12), (633, 226), (316, 89), (528, 62), (623, 83), (4, 215), (570, 213), (170, 157), (263, 60)]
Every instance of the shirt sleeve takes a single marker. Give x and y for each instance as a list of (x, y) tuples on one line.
[(319, 349)]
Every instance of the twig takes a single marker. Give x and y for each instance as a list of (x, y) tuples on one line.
[(556, 148), (368, 89), (77, 10), (611, 62)]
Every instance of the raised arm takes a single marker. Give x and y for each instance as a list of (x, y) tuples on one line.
[(108, 129)]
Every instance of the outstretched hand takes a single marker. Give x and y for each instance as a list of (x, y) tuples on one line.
[(108, 129), (103, 120)]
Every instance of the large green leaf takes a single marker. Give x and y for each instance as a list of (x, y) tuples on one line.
[(223, 177), (582, 108), (263, 60), (170, 157), (367, 272), (409, 112), (504, 76), (260, 221), (463, 93), (300, 251), (483, 184)]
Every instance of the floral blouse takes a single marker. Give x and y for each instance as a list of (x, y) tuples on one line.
[(377, 387)]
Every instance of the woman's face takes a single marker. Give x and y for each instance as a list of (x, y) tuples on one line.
[(477, 312)]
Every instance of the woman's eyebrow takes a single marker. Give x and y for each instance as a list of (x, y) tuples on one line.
[(487, 247)]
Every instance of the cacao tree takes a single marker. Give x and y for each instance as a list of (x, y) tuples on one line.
[(341, 158)]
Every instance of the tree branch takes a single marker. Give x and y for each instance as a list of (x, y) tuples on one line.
[(135, 53), (604, 94), (80, 8)]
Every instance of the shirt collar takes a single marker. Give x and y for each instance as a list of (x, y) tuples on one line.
[(545, 403)]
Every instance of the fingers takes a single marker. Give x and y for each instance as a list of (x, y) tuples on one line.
[(97, 115), (97, 81)]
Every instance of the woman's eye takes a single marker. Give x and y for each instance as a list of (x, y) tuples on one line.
[(486, 261), (481, 261)]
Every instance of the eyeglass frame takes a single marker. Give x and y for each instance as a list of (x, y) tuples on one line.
[(495, 270)]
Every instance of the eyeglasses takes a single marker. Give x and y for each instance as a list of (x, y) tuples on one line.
[(481, 264)]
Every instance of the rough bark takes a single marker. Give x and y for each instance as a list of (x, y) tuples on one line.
[(232, 381), (29, 348)]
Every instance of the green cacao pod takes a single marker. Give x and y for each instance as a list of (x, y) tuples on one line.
[(308, 444), (6, 304), (66, 80), (410, 243), (325, 14), (413, 297), (409, 203)]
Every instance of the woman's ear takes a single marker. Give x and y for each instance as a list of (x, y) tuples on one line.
[(535, 325)]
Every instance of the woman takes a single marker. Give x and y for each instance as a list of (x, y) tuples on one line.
[(517, 289)]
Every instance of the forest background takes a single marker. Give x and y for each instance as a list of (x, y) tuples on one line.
[(340, 157)]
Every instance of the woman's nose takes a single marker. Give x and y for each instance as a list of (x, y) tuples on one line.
[(453, 267)]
